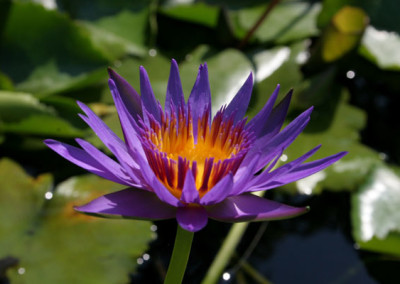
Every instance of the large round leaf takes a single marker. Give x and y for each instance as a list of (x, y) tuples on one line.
[(55, 244), (375, 212)]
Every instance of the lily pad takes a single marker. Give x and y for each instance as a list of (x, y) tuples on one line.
[(383, 13), (23, 114), (47, 79), (199, 13), (344, 32), (31, 27), (55, 244), (375, 212), (381, 47), (115, 37), (287, 22)]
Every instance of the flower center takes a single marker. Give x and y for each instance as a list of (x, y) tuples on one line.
[(171, 149)]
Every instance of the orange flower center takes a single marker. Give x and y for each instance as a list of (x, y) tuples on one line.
[(171, 149)]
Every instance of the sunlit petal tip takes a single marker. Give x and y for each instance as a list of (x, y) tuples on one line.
[(174, 63)]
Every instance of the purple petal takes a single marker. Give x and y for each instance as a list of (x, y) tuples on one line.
[(260, 123), (128, 124), (248, 207), (129, 96), (266, 176), (130, 203), (189, 191), (303, 171), (192, 218), (133, 170), (148, 99), (238, 105), (82, 159), (200, 98), (271, 147), (219, 192), (174, 90), (106, 135), (277, 117), (243, 176), (108, 163)]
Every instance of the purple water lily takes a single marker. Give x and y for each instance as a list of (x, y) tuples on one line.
[(182, 163)]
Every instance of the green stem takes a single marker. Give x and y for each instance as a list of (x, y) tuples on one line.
[(180, 256), (264, 15), (226, 251), (224, 254)]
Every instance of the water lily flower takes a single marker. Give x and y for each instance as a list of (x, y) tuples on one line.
[(180, 162)]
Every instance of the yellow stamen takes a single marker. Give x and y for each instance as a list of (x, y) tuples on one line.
[(174, 150)]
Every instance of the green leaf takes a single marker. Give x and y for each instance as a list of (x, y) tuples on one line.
[(375, 212), (115, 37), (28, 42), (21, 199), (287, 22), (5, 83), (199, 13), (381, 47), (343, 33), (23, 114), (383, 13), (55, 244), (48, 79)]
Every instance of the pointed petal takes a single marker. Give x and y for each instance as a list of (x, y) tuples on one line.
[(133, 170), (258, 125), (106, 135), (174, 90), (82, 159), (108, 163), (277, 116), (266, 176), (271, 147), (243, 175), (130, 97), (148, 99), (219, 192), (248, 207), (200, 97), (304, 170), (130, 203), (128, 124), (192, 218), (189, 191), (238, 105)]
